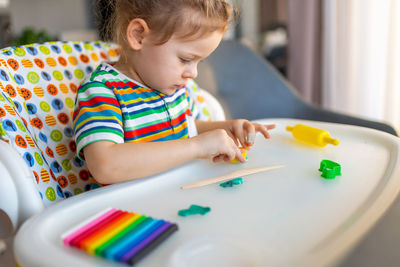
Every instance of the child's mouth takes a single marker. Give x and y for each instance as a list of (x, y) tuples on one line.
[(179, 86)]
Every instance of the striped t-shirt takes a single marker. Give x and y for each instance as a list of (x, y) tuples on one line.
[(111, 106)]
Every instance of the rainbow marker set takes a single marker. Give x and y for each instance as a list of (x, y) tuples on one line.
[(118, 235)]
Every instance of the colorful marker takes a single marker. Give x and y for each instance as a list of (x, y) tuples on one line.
[(119, 235)]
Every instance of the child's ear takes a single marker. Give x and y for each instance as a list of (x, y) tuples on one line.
[(136, 31)]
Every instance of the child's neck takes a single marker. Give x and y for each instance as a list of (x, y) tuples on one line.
[(128, 69)]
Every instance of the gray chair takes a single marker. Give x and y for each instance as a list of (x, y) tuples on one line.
[(249, 87)]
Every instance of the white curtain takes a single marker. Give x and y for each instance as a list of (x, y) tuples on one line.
[(361, 58)]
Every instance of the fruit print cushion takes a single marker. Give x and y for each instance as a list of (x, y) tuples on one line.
[(13, 130), (38, 84)]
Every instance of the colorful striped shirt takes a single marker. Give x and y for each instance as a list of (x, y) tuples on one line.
[(111, 106)]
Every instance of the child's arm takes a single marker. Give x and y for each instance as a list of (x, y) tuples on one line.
[(241, 131), (110, 163)]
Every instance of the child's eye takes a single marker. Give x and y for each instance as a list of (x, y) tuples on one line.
[(183, 60)]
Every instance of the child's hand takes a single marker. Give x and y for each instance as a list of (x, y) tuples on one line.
[(217, 145), (244, 131)]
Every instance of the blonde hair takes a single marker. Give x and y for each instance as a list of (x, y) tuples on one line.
[(185, 18)]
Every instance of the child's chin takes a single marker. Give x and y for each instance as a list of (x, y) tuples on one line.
[(169, 91)]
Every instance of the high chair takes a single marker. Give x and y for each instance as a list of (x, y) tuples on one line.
[(38, 84)]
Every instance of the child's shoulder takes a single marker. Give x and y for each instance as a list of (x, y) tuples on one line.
[(102, 72), (97, 79)]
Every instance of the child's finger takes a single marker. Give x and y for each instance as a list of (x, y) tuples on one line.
[(264, 129), (250, 133), (240, 133), (218, 158), (233, 138), (270, 126), (239, 155), (232, 153)]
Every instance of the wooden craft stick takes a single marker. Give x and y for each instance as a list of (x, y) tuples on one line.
[(230, 176)]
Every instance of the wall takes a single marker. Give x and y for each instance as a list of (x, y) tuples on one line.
[(55, 16), (249, 27)]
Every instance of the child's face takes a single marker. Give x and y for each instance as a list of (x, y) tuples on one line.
[(168, 67)]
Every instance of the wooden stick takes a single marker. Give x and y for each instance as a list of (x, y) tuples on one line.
[(230, 176)]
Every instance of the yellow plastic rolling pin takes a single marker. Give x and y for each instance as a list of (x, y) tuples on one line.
[(312, 135)]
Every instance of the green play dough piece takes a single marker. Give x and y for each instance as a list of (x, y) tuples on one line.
[(329, 169), (233, 182), (194, 209)]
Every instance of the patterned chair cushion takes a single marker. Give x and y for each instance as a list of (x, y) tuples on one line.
[(14, 130), (38, 84)]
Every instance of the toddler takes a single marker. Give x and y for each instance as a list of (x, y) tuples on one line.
[(138, 117)]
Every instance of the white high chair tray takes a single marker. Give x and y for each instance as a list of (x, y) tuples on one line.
[(283, 217)]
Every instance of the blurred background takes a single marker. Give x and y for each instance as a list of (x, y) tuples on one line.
[(340, 54)]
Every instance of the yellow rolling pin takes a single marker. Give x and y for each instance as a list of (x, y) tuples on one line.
[(312, 135)]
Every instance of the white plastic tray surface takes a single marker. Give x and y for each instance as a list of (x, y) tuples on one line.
[(284, 217)]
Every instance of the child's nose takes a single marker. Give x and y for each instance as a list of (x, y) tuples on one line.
[(190, 72)]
